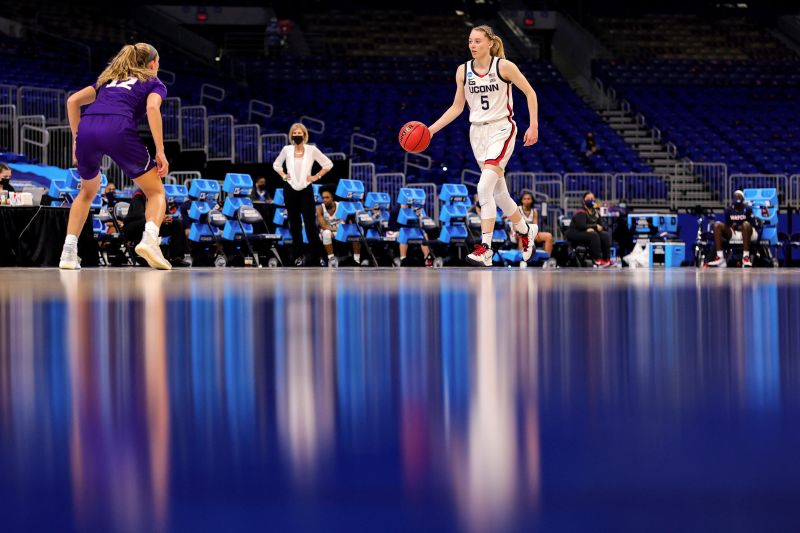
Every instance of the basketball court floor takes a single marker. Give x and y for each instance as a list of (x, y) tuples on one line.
[(399, 400)]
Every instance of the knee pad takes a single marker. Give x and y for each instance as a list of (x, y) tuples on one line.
[(327, 237), (505, 202), (486, 193)]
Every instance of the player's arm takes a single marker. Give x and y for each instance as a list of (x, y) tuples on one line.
[(74, 103), (454, 110), (321, 222), (509, 71), (81, 98), (157, 130), (277, 165)]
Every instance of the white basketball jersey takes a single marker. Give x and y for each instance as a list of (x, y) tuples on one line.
[(488, 95), (330, 219)]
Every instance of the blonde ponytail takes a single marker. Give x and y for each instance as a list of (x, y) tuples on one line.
[(497, 49), (130, 62)]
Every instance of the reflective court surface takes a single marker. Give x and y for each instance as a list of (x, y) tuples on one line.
[(399, 400)]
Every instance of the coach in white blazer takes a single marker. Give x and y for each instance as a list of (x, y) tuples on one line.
[(294, 166)]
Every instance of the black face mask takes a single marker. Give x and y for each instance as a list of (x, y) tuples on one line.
[(589, 203), (297, 139)]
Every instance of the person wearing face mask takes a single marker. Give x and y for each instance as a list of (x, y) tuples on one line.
[(5, 178), (293, 165), (739, 226), (587, 228), (259, 192), (110, 195)]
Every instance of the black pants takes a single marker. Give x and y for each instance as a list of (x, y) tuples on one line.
[(300, 205), (599, 243)]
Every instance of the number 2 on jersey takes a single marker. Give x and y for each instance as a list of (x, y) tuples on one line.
[(126, 84)]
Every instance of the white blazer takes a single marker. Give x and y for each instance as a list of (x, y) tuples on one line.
[(312, 154)]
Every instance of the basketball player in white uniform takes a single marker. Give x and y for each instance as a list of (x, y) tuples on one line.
[(328, 223), (484, 84)]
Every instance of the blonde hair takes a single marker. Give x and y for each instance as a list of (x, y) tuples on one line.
[(497, 49), (302, 127), (130, 62)]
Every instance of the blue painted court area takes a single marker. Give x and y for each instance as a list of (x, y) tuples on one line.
[(399, 400)]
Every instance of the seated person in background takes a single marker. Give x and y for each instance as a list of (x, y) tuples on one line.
[(172, 228), (259, 192), (5, 178), (531, 216), (327, 222), (586, 228), (403, 248), (589, 145), (110, 195), (738, 227)]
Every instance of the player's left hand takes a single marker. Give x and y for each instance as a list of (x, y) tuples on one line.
[(161, 164), (531, 136)]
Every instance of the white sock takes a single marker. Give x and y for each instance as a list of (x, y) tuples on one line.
[(720, 254), (152, 230), (746, 254), (357, 257), (521, 226), (330, 256), (486, 239), (71, 241)]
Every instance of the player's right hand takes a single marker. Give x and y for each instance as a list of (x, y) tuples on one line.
[(162, 165)]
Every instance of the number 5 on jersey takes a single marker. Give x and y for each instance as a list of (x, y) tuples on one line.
[(484, 102)]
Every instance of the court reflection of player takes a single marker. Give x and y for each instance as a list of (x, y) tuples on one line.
[(305, 379), (119, 445), (493, 465)]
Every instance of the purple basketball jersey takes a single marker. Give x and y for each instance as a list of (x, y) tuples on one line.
[(125, 97)]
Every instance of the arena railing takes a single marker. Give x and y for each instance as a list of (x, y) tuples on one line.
[(365, 173), (271, 145), (760, 181), (601, 184), (51, 103), (259, 112), (314, 125), (59, 150), (194, 128), (247, 144), (8, 128), (220, 138), (20, 121), (389, 182), (362, 142), (418, 161), (641, 187), (794, 191), (211, 93), (34, 142)]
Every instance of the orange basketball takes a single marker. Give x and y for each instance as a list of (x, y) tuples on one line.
[(414, 137)]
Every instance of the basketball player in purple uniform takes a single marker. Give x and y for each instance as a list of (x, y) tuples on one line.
[(127, 90)]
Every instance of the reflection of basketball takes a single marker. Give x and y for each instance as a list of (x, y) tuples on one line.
[(415, 137)]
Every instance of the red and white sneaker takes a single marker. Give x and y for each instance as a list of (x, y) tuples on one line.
[(746, 262), (602, 263), (527, 241), (718, 262), (480, 256)]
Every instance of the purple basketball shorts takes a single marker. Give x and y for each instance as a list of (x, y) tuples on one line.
[(116, 137)]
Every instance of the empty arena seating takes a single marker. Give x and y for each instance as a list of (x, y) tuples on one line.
[(721, 90)]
